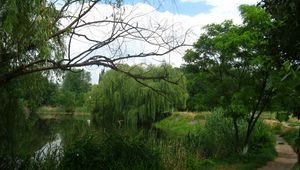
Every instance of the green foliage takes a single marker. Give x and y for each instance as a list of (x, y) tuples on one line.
[(34, 90), (78, 83), (73, 92), (296, 167), (185, 154), (10, 120), (257, 158), (288, 94), (18, 120), (216, 138), (291, 136), (294, 124), (282, 116), (90, 98), (196, 91), (25, 32), (119, 98), (228, 63), (113, 151), (67, 100), (262, 137), (193, 163), (284, 37)]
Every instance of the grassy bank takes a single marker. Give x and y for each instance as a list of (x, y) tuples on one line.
[(47, 112), (50, 110), (182, 123)]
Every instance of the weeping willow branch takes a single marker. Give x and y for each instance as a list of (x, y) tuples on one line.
[(137, 101)]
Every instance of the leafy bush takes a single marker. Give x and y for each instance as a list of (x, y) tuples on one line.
[(262, 137), (291, 136), (257, 158), (67, 100), (111, 152), (282, 116), (216, 139)]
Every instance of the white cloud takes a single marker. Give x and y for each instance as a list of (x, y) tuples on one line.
[(148, 16), (221, 2)]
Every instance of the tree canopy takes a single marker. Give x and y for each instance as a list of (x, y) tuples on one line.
[(284, 36), (119, 98), (77, 81)]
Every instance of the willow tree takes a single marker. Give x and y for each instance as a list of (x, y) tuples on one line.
[(120, 99)]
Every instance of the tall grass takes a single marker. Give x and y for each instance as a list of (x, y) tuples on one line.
[(111, 151)]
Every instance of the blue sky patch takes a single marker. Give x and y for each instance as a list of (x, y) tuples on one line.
[(175, 6)]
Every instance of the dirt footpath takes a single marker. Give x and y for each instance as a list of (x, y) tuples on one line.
[(286, 158)]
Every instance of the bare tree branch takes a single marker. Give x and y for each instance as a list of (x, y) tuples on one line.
[(113, 33)]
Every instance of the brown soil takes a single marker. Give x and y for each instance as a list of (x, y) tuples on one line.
[(286, 158)]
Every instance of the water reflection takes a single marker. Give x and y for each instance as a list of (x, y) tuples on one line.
[(53, 149)]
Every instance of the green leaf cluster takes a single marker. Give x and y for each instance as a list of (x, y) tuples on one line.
[(25, 27), (74, 89)]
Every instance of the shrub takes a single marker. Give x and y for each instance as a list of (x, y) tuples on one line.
[(216, 139), (282, 116), (67, 100), (111, 152), (291, 136), (262, 137)]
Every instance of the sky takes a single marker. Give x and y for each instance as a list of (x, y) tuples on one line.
[(183, 16), (184, 7)]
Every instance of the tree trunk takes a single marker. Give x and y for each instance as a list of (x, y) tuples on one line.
[(237, 137), (298, 140)]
